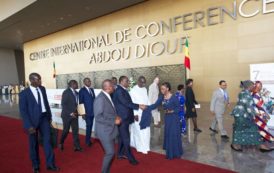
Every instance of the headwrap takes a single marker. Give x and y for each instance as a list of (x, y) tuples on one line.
[(246, 84)]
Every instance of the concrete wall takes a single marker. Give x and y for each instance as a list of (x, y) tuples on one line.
[(8, 68), (219, 49)]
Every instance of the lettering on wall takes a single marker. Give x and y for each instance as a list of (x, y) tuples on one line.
[(122, 45)]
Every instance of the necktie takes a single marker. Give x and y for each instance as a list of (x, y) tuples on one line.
[(75, 95), (39, 100), (90, 92), (225, 95)]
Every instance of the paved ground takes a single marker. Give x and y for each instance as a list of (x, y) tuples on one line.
[(204, 147)]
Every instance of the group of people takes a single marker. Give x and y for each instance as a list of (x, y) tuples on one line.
[(118, 111), (126, 115), (250, 126), (11, 89), (251, 115)]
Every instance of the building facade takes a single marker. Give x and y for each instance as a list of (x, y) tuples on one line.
[(225, 37)]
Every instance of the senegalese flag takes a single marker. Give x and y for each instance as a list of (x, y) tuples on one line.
[(187, 58), (54, 70)]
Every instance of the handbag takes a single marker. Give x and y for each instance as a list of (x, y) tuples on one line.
[(54, 137), (81, 109)]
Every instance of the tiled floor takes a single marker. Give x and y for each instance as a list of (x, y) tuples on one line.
[(204, 147)]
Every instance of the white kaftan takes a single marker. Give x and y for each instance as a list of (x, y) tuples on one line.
[(139, 139)]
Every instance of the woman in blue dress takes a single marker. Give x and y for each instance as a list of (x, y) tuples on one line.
[(172, 136), (180, 96)]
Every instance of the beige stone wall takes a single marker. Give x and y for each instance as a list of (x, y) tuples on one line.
[(222, 51)]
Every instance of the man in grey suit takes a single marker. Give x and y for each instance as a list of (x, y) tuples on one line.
[(219, 101), (106, 121)]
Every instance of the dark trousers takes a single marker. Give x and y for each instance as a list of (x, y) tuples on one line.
[(108, 145), (44, 130), (73, 123), (89, 125), (124, 141)]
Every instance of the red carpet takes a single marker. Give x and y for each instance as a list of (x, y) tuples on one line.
[(14, 157)]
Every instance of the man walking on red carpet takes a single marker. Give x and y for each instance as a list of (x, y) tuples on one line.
[(36, 115), (106, 121)]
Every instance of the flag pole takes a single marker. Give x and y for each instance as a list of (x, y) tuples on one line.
[(54, 75), (187, 70)]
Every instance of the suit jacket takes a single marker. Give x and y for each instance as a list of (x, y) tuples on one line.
[(124, 105), (104, 114), (69, 103), (87, 99), (29, 108), (218, 102)]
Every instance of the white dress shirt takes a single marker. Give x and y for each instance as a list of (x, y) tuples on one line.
[(74, 93), (89, 90), (35, 94), (108, 96), (225, 94)]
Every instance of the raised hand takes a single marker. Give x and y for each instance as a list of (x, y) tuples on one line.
[(136, 118)]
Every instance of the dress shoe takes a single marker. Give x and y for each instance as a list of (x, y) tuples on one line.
[(53, 168), (213, 130), (236, 149), (134, 162), (197, 130), (263, 150), (122, 157), (61, 147), (224, 137), (78, 149), (36, 170), (89, 144)]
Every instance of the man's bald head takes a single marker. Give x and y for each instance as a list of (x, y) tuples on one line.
[(107, 86)]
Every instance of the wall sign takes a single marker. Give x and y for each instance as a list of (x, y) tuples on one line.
[(135, 42)]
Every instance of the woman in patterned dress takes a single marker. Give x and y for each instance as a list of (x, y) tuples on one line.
[(180, 96), (262, 116), (245, 131)]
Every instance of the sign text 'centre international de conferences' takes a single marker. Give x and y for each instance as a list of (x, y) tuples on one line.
[(135, 42)]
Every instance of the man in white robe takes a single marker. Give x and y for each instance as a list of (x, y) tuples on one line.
[(139, 139), (153, 96)]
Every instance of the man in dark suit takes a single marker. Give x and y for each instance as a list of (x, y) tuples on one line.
[(114, 81), (125, 107), (70, 116), (36, 115), (86, 97), (106, 121)]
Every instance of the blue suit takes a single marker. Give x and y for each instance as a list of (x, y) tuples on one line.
[(33, 117), (124, 107), (87, 98)]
